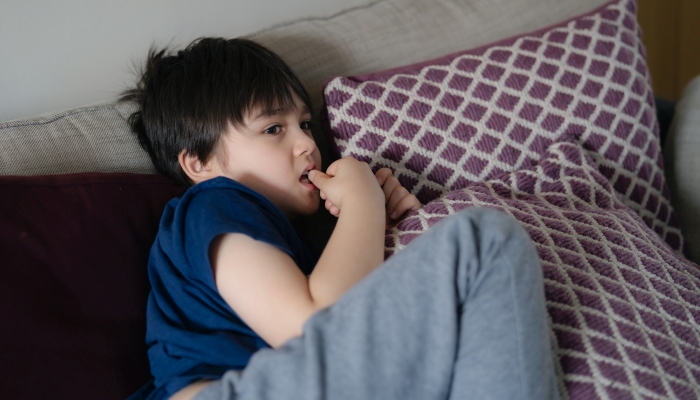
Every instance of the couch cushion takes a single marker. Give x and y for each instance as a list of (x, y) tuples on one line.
[(382, 34), (682, 155), (391, 33), (472, 115), (624, 307), (93, 138), (73, 282)]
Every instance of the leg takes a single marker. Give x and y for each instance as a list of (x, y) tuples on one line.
[(504, 350), (458, 313)]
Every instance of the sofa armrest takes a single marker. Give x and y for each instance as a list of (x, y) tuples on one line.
[(682, 159)]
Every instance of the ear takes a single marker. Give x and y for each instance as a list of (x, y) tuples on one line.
[(195, 169)]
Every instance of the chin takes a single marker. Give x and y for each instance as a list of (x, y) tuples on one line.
[(304, 211), (311, 210)]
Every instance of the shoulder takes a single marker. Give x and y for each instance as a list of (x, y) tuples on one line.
[(222, 202), (206, 210), (220, 206), (224, 191)]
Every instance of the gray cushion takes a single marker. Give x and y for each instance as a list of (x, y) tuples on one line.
[(682, 155), (392, 33), (383, 34), (91, 138)]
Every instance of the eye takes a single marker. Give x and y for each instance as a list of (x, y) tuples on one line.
[(306, 125), (273, 130)]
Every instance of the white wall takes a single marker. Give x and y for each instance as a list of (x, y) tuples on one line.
[(56, 55)]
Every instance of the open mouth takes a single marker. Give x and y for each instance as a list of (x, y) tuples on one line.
[(304, 178)]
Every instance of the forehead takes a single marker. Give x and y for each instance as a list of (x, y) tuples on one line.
[(260, 111)]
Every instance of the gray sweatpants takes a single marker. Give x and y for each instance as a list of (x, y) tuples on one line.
[(458, 314)]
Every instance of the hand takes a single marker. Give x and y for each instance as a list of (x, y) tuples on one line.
[(397, 199), (346, 181)]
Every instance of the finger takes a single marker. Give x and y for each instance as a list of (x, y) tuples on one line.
[(318, 178), (397, 196), (323, 195), (390, 186), (333, 168), (408, 203), (335, 211), (328, 205), (382, 175)]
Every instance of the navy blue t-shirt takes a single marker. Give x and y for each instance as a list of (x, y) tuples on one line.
[(192, 333)]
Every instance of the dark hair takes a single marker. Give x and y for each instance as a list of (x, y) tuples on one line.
[(186, 99)]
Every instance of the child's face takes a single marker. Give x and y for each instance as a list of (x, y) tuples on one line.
[(270, 154)]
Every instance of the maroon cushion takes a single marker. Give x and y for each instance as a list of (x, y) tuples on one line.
[(73, 282)]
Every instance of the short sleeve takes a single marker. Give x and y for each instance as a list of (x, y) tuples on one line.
[(192, 333), (215, 212)]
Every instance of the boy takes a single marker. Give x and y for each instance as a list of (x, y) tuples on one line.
[(231, 277)]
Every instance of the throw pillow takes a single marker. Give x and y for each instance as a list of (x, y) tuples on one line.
[(624, 308), (470, 116), (74, 282)]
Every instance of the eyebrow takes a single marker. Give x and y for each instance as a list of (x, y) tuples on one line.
[(278, 111)]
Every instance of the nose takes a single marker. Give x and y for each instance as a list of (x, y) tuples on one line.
[(303, 143)]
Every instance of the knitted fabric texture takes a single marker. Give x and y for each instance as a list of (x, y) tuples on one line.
[(474, 115), (624, 308)]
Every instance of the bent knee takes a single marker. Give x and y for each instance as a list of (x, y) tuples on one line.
[(493, 228), (489, 219)]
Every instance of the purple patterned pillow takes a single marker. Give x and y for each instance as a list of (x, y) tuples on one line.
[(624, 308), (473, 115)]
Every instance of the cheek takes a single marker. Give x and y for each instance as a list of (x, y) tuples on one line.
[(274, 171), (229, 158), (252, 161), (317, 159)]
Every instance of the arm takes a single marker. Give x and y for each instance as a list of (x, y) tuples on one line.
[(356, 246), (263, 285)]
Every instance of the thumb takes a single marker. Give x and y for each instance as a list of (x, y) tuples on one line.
[(318, 178)]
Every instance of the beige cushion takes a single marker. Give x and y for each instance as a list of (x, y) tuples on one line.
[(393, 33), (383, 34), (682, 155), (92, 138)]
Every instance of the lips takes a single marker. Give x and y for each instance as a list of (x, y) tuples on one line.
[(304, 178)]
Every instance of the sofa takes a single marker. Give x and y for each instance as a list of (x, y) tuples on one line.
[(543, 109)]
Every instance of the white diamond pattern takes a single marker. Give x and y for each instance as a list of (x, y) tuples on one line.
[(586, 78), (624, 308)]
